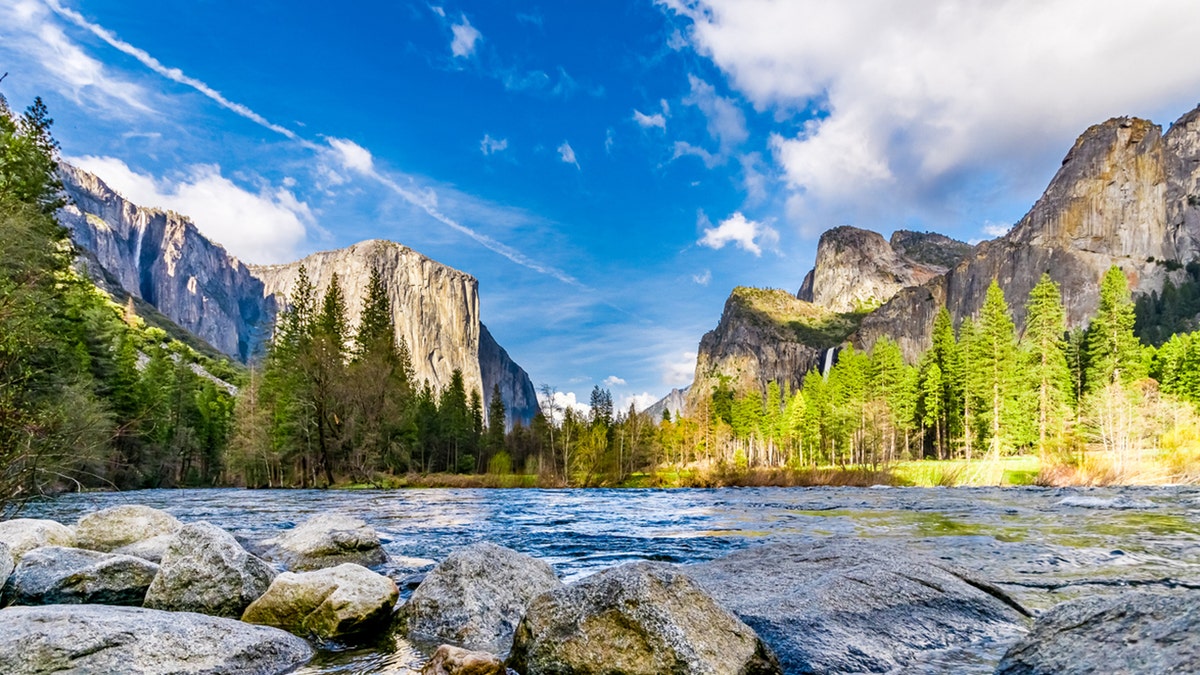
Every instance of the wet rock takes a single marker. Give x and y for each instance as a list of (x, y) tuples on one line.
[(640, 618), (327, 540), (1129, 633), (850, 606), (55, 575), (26, 534), (476, 597), (329, 604), (102, 639), (152, 549), (205, 570), (451, 660), (112, 528)]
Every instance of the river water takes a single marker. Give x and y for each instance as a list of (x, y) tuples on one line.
[(1042, 545)]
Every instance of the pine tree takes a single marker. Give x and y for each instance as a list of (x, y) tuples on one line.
[(996, 372), (968, 342), (1113, 351), (931, 401), (1045, 358), (494, 443), (947, 355)]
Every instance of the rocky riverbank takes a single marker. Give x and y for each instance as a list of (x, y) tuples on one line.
[(133, 589)]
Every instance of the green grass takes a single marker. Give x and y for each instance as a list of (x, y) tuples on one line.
[(1018, 470), (801, 321)]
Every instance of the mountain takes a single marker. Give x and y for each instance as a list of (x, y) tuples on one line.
[(1125, 195), (674, 403), (161, 258)]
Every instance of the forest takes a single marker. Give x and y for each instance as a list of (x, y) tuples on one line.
[(94, 396)]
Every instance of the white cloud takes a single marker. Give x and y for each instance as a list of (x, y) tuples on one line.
[(649, 121), (685, 149), (640, 402), (703, 278), (353, 156), (748, 235), (609, 140), (267, 226), (438, 9), (465, 37), (726, 122), (490, 146), (679, 369), (915, 99), (564, 400), (614, 381), (994, 230), (567, 153)]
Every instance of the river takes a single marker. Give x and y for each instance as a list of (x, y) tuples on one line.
[(1042, 545)]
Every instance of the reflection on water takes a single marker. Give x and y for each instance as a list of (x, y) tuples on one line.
[(1044, 545)]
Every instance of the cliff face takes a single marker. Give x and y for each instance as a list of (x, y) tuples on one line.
[(1108, 204), (857, 269), (765, 335), (162, 258), (674, 404)]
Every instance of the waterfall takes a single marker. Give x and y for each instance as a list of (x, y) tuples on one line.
[(827, 361)]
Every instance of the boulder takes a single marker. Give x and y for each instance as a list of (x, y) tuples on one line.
[(451, 660), (205, 570), (56, 575), (327, 540), (849, 606), (641, 618), (1139, 632), (328, 604), (137, 641), (476, 597), (26, 534), (152, 549), (112, 528), (6, 564)]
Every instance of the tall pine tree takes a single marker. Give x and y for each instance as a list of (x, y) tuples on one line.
[(1045, 359), (1113, 351)]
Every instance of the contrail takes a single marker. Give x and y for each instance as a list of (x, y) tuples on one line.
[(177, 75)]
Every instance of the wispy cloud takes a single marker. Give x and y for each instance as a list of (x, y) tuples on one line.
[(614, 381), (649, 121), (490, 146), (567, 154), (465, 37), (703, 278)]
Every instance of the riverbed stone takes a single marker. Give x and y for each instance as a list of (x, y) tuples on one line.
[(137, 641), (6, 564), (475, 597), (119, 526), (26, 534), (1138, 632), (334, 603), (205, 570), (451, 660), (152, 549), (836, 606), (327, 540), (637, 619), (56, 575)]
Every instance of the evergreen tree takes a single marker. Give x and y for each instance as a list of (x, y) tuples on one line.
[(995, 374), (1045, 358), (1113, 352), (931, 401), (494, 442), (947, 355), (968, 350)]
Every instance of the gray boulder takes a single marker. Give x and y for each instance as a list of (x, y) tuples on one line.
[(26, 534), (55, 575), (328, 604), (6, 564), (327, 540), (136, 641), (451, 660), (1139, 632), (112, 528), (840, 606), (476, 597), (152, 549), (205, 570), (637, 619)]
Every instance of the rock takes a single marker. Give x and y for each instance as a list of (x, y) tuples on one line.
[(848, 606), (136, 641), (1120, 502), (1136, 632), (152, 549), (55, 575), (25, 534), (451, 660), (640, 618), (6, 564), (328, 604), (113, 528), (476, 597), (205, 570), (327, 540)]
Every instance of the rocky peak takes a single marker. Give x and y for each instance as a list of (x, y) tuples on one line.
[(856, 269), (1182, 151), (930, 248)]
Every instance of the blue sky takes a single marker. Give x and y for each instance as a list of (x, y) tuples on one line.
[(608, 171)]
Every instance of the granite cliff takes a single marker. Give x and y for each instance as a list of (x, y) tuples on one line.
[(161, 258)]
